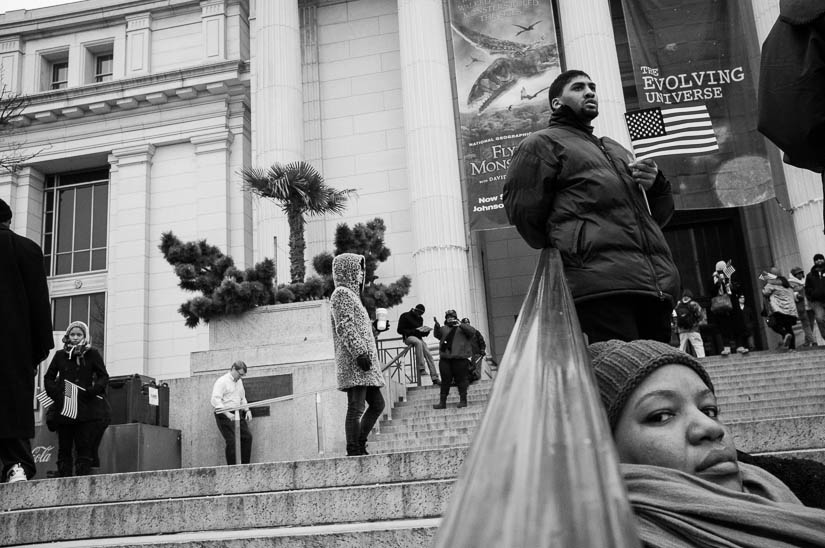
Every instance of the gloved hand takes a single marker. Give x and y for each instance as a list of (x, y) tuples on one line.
[(364, 362)]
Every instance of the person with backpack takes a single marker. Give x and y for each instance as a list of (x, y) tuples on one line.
[(689, 316), (457, 345)]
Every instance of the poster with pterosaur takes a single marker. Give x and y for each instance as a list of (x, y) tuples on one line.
[(505, 56)]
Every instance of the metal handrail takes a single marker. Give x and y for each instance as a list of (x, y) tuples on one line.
[(235, 410), (236, 414)]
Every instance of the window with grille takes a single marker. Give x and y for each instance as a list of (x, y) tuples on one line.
[(75, 222), (60, 74), (104, 67)]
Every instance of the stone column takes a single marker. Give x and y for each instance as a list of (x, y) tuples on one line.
[(804, 187), (441, 278), (277, 109), (214, 201), (28, 211), (130, 246), (138, 44), (589, 45), (23, 191)]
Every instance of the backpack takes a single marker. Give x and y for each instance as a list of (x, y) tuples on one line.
[(685, 315)]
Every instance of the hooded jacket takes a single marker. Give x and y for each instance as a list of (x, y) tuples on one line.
[(781, 296), (351, 326), (567, 189)]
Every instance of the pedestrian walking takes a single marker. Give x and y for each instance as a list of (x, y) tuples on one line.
[(228, 392), (26, 311)]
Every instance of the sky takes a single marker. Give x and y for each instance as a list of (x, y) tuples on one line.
[(9, 5)]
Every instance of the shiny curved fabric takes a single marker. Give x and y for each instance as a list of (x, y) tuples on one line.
[(542, 471)]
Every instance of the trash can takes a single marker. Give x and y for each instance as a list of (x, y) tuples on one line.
[(138, 398)]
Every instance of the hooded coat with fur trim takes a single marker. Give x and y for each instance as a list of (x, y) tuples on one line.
[(351, 326)]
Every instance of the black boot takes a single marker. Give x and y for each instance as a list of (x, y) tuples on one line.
[(462, 400), (442, 404)]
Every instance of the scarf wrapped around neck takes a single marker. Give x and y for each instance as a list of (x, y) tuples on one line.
[(676, 510), (77, 350)]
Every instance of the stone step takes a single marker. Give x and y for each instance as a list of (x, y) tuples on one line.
[(396, 533), (768, 355), (757, 375), (770, 402), (391, 446), (402, 485), (420, 435), (817, 455), (304, 507), (435, 425), (416, 413), (230, 480), (433, 399), (779, 434), (813, 394)]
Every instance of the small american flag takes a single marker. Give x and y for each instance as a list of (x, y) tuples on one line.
[(671, 131), (729, 270), (70, 400), (44, 399)]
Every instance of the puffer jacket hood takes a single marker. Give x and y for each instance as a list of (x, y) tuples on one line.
[(348, 271), (351, 325)]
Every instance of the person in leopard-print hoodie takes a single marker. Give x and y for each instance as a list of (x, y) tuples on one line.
[(356, 357)]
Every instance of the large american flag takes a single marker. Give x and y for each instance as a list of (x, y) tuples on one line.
[(678, 130)]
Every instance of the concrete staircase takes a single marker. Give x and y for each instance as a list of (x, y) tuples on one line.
[(775, 403), (389, 500)]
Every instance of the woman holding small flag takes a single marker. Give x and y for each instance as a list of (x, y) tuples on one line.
[(728, 318), (76, 381)]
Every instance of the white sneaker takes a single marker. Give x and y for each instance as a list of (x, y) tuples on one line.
[(741, 350), (726, 351), (16, 473)]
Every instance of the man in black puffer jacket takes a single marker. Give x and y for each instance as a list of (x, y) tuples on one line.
[(587, 197)]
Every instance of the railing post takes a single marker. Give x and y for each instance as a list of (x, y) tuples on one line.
[(390, 397), (319, 424), (237, 436)]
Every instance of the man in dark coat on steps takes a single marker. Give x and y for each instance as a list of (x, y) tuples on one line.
[(26, 315), (587, 197)]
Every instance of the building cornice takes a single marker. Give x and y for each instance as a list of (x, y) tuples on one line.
[(217, 79), (94, 14)]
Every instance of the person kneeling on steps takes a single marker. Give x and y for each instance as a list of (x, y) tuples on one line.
[(457, 345)]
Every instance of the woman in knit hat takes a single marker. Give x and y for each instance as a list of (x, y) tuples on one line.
[(679, 461), (79, 425)]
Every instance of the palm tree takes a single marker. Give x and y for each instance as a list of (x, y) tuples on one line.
[(300, 190)]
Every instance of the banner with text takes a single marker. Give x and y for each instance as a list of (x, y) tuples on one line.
[(506, 55), (695, 65)]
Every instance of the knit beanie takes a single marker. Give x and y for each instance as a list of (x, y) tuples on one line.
[(621, 366), (819, 256), (420, 308), (5, 211)]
